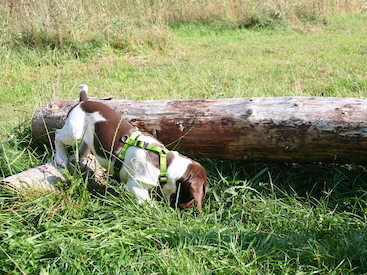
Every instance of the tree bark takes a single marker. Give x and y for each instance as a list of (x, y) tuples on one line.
[(287, 129)]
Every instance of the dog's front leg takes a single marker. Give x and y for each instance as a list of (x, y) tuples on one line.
[(136, 188)]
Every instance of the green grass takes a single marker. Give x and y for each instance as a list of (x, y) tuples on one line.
[(259, 218)]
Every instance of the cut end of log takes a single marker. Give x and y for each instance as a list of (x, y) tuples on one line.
[(46, 176)]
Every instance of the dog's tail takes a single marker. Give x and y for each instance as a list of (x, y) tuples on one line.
[(83, 94)]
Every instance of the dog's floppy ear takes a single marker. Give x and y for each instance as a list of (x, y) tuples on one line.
[(191, 187), (83, 94)]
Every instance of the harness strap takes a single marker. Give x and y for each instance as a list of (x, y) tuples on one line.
[(128, 142), (162, 152)]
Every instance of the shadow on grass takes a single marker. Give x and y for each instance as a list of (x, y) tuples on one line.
[(313, 214), (342, 186)]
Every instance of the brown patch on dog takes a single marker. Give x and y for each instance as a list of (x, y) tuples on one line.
[(109, 132)]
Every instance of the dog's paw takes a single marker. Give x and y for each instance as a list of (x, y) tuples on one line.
[(61, 163)]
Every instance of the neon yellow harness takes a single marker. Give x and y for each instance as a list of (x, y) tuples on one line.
[(162, 152)]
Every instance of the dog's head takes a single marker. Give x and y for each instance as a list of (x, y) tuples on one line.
[(190, 187)]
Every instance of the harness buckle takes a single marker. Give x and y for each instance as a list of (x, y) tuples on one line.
[(163, 179)]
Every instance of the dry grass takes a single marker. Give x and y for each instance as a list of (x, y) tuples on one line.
[(132, 24)]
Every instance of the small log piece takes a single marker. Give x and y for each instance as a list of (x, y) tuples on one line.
[(287, 129), (46, 176)]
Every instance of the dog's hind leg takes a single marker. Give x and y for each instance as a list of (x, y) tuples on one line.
[(61, 157), (83, 149)]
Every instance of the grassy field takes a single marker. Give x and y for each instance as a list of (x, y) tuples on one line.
[(259, 218)]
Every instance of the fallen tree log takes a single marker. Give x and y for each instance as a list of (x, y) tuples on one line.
[(288, 129)]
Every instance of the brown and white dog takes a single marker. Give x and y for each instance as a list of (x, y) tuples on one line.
[(101, 130)]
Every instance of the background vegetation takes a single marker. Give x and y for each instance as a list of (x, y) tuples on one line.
[(129, 24), (259, 218)]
